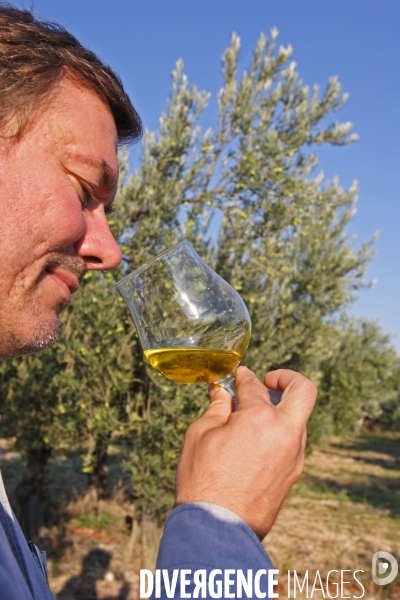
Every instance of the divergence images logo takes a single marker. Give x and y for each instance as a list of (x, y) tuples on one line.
[(383, 568)]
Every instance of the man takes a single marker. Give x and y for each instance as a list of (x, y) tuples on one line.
[(62, 115)]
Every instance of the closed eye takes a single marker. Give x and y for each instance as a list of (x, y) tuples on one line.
[(87, 196)]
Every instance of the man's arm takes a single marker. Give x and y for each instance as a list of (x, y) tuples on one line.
[(234, 472), (248, 460), (202, 539)]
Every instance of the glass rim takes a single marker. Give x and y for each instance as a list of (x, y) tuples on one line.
[(147, 264)]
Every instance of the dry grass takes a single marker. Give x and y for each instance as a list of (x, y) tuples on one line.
[(345, 508)]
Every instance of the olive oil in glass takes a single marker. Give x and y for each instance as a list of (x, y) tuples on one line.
[(194, 365)]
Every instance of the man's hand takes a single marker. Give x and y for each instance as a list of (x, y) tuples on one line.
[(248, 460)]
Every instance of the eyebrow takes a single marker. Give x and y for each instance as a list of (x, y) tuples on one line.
[(109, 176)]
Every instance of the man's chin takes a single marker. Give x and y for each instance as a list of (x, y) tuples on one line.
[(42, 338), (21, 347)]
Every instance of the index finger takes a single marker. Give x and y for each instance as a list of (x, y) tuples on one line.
[(299, 395), (250, 391)]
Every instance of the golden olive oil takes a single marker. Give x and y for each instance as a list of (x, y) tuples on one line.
[(193, 365)]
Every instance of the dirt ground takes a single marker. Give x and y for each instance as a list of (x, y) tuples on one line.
[(345, 508)]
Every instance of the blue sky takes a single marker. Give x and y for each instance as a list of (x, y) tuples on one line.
[(357, 40)]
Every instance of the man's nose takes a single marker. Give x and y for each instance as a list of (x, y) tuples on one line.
[(98, 247)]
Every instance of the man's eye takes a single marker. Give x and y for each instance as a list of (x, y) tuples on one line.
[(87, 196)]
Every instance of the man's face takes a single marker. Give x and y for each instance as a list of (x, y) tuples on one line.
[(56, 183)]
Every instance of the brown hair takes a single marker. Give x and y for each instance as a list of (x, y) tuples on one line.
[(35, 55)]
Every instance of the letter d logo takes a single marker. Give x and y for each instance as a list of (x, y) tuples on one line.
[(383, 567)]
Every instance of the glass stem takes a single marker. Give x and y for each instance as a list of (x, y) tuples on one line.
[(230, 386)]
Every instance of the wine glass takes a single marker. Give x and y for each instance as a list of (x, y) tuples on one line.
[(193, 326)]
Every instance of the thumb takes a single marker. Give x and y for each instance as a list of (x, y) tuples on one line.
[(221, 405)]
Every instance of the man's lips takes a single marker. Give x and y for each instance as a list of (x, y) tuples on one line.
[(66, 280)]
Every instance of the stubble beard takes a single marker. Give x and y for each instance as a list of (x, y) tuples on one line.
[(43, 338), (16, 346)]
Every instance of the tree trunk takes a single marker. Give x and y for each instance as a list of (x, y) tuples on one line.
[(32, 493), (150, 539), (98, 478), (134, 538)]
